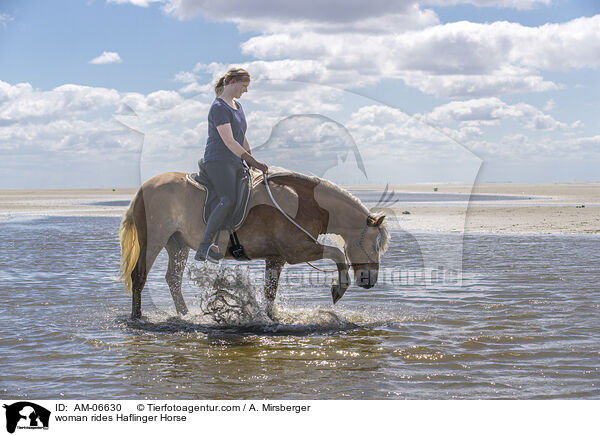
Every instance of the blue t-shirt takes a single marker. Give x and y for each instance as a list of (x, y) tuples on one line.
[(221, 113)]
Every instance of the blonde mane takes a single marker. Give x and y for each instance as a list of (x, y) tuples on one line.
[(383, 238)]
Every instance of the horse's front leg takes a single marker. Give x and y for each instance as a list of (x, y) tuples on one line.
[(338, 289), (312, 251), (273, 267)]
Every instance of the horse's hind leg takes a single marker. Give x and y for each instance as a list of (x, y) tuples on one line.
[(139, 274), (273, 268), (138, 280), (178, 254)]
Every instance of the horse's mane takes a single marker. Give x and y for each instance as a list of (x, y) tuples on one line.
[(336, 190)]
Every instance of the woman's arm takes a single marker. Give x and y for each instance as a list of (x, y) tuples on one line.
[(247, 146), (227, 136), (241, 152)]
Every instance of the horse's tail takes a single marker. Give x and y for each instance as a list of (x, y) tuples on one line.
[(130, 247)]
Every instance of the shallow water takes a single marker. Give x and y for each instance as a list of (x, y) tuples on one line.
[(525, 324)]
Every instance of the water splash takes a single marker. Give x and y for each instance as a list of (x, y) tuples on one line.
[(226, 295)]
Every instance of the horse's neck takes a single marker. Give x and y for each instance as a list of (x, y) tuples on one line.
[(335, 209), (346, 212)]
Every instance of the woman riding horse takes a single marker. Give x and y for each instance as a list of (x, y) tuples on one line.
[(226, 149)]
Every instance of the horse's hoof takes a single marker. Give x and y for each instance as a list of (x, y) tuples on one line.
[(337, 292)]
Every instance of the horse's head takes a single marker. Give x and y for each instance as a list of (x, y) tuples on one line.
[(365, 247)]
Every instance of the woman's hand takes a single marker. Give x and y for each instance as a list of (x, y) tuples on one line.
[(260, 166), (255, 163)]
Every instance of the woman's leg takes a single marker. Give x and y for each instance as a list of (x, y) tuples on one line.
[(223, 177)]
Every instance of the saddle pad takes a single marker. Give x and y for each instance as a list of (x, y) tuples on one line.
[(244, 189)]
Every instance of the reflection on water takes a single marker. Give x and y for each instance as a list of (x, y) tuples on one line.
[(525, 324)]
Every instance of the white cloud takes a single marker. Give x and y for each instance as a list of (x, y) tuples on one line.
[(411, 18), (164, 100), (285, 85), (477, 85), (142, 3), (514, 4), (107, 57), (353, 44), (384, 133), (491, 111), (79, 118), (21, 103), (10, 92), (520, 147), (550, 105), (450, 60), (4, 18), (185, 77), (323, 11)]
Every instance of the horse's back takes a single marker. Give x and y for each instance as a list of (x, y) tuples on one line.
[(164, 181), (168, 197)]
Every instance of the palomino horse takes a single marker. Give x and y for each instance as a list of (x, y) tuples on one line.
[(166, 213)]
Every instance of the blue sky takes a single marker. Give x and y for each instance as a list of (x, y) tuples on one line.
[(426, 90)]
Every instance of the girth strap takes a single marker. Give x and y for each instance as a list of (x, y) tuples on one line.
[(236, 249)]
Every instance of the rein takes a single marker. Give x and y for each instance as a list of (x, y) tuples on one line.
[(290, 219), (285, 214)]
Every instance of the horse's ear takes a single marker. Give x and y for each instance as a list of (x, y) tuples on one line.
[(375, 221)]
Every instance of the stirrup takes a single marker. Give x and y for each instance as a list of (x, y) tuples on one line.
[(211, 256)]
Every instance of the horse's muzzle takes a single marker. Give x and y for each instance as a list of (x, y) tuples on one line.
[(366, 278)]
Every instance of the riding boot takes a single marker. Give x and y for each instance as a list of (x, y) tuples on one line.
[(215, 220)]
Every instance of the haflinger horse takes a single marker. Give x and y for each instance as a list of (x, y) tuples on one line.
[(167, 209)]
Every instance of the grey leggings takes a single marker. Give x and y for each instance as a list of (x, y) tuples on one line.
[(224, 177)]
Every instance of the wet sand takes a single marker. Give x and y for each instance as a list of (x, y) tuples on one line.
[(553, 208), (63, 202)]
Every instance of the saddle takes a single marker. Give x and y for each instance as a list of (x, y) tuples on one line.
[(239, 212), (247, 181)]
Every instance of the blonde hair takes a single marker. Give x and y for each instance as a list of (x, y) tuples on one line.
[(234, 73)]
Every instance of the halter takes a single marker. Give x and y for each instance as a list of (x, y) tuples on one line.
[(290, 219)]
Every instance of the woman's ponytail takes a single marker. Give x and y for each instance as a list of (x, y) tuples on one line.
[(234, 73), (219, 86)]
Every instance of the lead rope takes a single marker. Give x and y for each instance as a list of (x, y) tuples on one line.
[(290, 219)]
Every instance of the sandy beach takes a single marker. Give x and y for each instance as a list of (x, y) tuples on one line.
[(554, 208)]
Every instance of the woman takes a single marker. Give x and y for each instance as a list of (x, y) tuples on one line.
[(226, 149)]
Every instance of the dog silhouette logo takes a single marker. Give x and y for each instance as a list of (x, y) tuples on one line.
[(26, 415)]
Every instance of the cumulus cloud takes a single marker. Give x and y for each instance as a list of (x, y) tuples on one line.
[(450, 60), (513, 4), (82, 118), (77, 120), (323, 11), (4, 18), (21, 103), (491, 111), (142, 3), (185, 77), (550, 105), (313, 10), (517, 147), (285, 86), (353, 44), (107, 57)]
